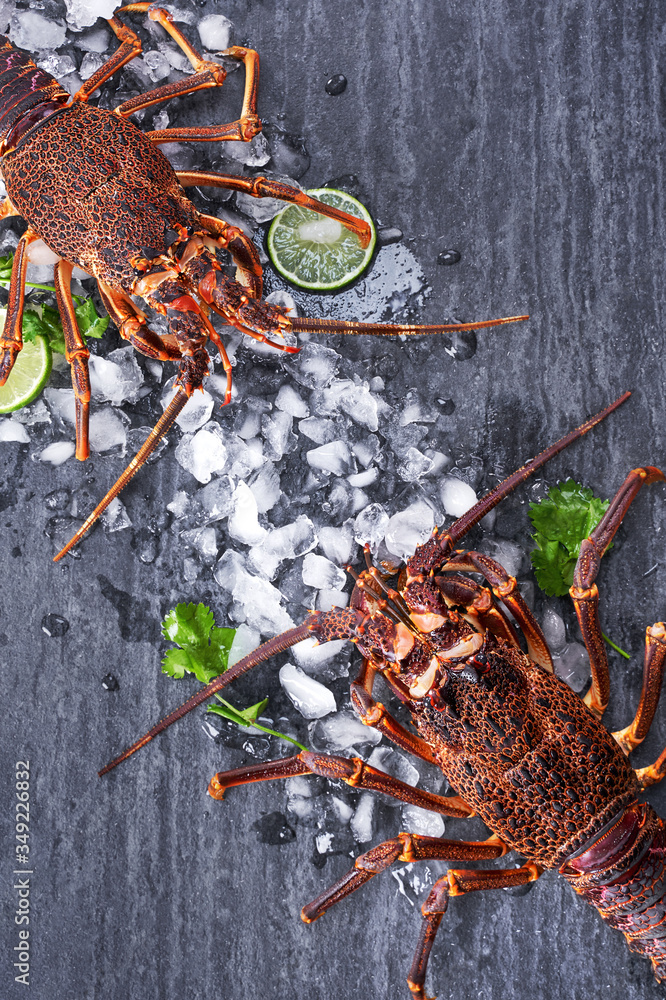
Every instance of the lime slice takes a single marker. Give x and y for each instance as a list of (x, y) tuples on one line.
[(28, 376), (315, 252)]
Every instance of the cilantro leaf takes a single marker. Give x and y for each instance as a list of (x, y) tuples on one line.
[(204, 648), (46, 321), (204, 652), (89, 322), (562, 520)]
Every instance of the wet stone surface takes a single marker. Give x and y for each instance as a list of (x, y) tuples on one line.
[(139, 876)]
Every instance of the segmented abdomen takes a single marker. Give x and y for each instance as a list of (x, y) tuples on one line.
[(635, 902), (24, 88)]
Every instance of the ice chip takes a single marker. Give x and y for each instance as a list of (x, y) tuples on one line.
[(318, 429), (196, 412), (58, 452), (312, 699), (572, 665), (554, 630), (320, 573), (30, 30), (12, 430), (107, 430), (115, 517), (315, 656), (243, 525), (509, 555), (409, 529), (457, 497), (203, 453), (215, 32), (314, 366), (116, 378), (288, 542), (259, 603), (289, 401), (370, 526), (422, 821), (245, 641), (337, 544), (84, 13), (204, 541), (254, 153), (341, 731), (414, 465), (277, 433), (329, 599), (362, 820), (61, 404), (333, 457), (266, 487), (217, 498)]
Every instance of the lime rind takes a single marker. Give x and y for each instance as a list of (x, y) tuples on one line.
[(28, 376), (319, 266)]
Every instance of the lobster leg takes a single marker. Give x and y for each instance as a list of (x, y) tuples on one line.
[(352, 770), (77, 355), (506, 590), (130, 48), (584, 592), (263, 187), (132, 326), (456, 883), (406, 847), (11, 340), (208, 74), (653, 675)]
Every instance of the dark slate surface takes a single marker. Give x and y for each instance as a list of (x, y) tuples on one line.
[(531, 140)]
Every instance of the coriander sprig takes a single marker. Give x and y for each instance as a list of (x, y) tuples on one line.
[(563, 519), (204, 651)]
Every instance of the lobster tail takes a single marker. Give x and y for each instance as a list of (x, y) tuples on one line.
[(623, 874), (27, 95)]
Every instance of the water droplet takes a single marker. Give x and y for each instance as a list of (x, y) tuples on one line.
[(449, 257), (57, 499), (109, 683), (55, 625), (447, 405), (337, 84)]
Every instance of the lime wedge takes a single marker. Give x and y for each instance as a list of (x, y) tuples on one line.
[(28, 376), (315, 252)]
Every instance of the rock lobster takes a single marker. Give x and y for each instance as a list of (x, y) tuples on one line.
[(519, 747), (101, 194)]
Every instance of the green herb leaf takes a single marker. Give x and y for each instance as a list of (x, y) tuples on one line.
[(204, 652), (248, 717), (204, 648), (89, 322), (242, 717), (562, 520)]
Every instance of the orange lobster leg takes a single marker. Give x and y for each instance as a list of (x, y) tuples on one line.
[(653, 675), (352, 770), (130, 48), (263, 187), (457, 883), (11, 340), (77, 355), (132, 326), (584, 592), (406, 847)]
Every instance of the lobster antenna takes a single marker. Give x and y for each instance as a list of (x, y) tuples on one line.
[(491, 499), (163, 425), (263, 652), (303, 323)]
